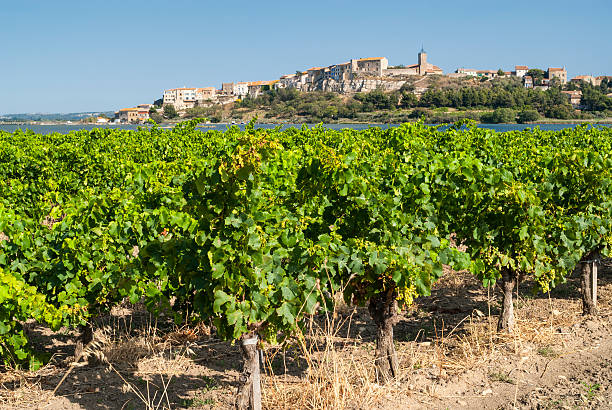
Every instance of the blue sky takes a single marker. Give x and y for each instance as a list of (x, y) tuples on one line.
[(69, 56)]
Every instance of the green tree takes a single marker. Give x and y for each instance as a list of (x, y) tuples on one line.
[(157, 117), (500, 115), (170, 111), (408, 100), (527, 115)]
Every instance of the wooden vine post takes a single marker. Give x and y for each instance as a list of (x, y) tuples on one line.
[(249, 384)]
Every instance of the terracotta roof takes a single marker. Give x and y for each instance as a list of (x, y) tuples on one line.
[(521, 67), (128, 109), (556, 69), (582, 77), (601, 77), (256, 83), (371, 58), (315, 69)]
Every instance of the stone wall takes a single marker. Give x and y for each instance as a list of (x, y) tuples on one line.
[(357, 84), (392, 72)]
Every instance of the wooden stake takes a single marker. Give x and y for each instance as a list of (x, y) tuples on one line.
[(256, 377), (594, 282)]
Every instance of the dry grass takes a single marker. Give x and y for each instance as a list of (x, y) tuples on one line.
[(20, 390), (331, 366), (338, 375), (340, 372)]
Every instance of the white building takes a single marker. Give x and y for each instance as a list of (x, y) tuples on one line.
[(520, 70), (180, 98), (241, 89), (467, 71)]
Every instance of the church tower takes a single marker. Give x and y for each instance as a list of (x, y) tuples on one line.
[(422, 61)]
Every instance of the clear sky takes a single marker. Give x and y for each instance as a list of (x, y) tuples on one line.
[(90, 55)]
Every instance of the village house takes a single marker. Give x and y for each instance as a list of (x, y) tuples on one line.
[(287, 81), (227, 88), (206, 93), (241, 89), (467, 72), (583, 78), (371, 65), (314, 74), (559, 73), (180, 98), (256, 88), (480, 73), (487, 73), (292, 81), (185, 98), (520, 70), (528, 81), (341, 72), (543, 85), (135, 115), (574, 97), (600, 78)]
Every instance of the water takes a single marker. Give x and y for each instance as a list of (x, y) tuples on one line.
[(63, 129)]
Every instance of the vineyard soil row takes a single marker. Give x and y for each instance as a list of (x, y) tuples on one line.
[(557, 360)]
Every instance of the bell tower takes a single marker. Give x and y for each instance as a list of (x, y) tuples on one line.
[(422, 61)]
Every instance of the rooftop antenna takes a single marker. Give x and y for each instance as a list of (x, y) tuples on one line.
[(422, 49)]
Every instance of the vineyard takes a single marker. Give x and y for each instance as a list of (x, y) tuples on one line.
[(255, 232)]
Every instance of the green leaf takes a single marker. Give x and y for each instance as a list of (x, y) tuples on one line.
[(218, 270), (220, 299), (254, 241), (285, 312)]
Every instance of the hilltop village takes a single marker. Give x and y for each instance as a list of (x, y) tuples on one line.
[(358, 76)]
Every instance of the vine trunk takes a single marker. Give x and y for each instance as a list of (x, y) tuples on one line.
[(589, 306), (506, 318), (383, 309)]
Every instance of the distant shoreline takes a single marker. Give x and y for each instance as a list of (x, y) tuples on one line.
[(551, 121)]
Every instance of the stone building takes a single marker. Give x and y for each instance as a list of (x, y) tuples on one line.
[(559, 73), (584, 78), (227, 88), (241, 89), (136, 115), (423, 67), (180, 98), (372, 65), (574, 97), (341, 72), (205, 93)]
